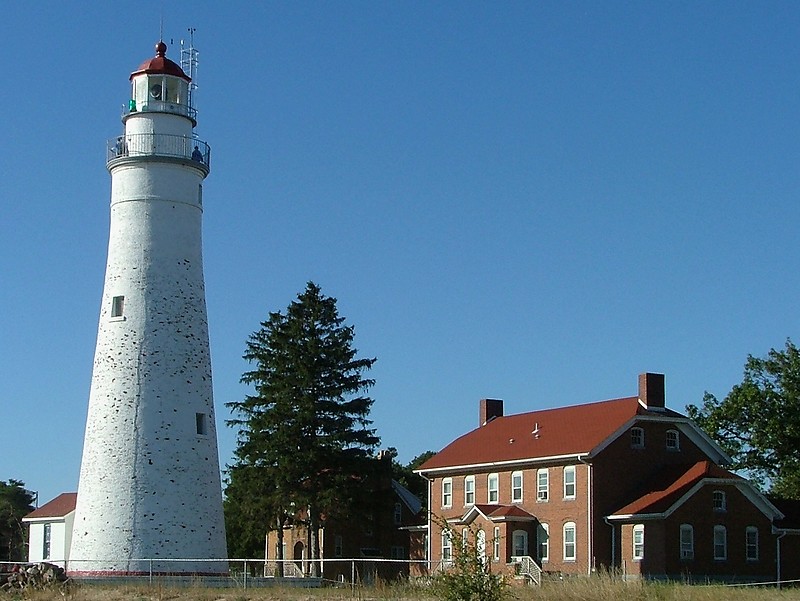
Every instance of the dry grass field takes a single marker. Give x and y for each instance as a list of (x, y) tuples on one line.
[(594, 589)]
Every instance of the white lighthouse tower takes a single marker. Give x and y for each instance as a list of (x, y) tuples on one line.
[(149, 488)]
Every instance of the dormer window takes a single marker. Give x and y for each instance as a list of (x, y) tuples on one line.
[(637, 438)]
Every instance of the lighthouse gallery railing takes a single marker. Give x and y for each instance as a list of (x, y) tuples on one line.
[(165, 145)]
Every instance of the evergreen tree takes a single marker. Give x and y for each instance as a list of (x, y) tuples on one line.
[(15, 503), (304, 444)]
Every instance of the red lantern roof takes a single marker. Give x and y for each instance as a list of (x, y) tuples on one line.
[(160, 65)]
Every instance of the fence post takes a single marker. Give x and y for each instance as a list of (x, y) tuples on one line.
[(150, 564), (245, 574)]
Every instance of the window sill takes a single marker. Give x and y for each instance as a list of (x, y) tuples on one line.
[(120, 318)]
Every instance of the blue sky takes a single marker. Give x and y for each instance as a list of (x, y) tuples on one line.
[(518, 200)]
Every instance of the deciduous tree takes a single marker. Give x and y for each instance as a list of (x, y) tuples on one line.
[(758, 422)]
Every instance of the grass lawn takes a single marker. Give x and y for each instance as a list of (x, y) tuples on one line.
[(583, 589)]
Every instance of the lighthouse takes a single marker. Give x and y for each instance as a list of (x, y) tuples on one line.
[(149, 495)]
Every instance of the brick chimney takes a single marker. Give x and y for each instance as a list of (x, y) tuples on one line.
[(488, 410), (651, 391)]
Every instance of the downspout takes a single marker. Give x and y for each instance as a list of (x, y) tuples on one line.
[(428, 535), (778, 558), (613, 543), (589, 512)]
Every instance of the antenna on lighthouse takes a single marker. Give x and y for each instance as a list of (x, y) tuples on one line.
[(189, 64)]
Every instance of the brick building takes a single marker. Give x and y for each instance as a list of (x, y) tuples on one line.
[(376, 543), (624, 484)]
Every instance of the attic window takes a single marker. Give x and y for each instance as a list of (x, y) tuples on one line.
[(637, 438), (720, 501), (673, 440)]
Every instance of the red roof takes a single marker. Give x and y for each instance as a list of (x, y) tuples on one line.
[(670, 484), (160, 64), (498, 513), (538, 434), (57, 508)]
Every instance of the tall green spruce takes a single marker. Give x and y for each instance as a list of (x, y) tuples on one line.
[(305, 444)]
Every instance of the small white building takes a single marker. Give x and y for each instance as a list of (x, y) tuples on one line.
[(50, 530)]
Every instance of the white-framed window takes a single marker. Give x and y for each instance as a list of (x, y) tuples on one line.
[(493, 485), (720, 501), (687, 541), (496, 544), (118, 306), (570, 547), (447, 546), (398, 514), (542, 484), (751, 543), (480, 545), (638, 542), (637, 438), (338, 545), (46, 541), (569, 482), (464, 539), (469, 490), (720, 543), (447, 492), (516, 487), (519, 543), (543, 542), (673, 440)]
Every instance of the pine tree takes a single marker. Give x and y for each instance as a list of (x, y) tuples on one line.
[(304, 444)]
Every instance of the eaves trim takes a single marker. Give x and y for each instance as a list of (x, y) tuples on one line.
[(508, 463)]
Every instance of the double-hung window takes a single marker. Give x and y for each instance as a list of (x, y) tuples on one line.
[(447, 547), (543, 541), (687, 541), (569, 482), (447, 492), (637, 438), (542, 484), (493, 483), (720, 543), (569, 541), (720, 501), (751, 543), (516, 487), (638, 542), (469, 490)]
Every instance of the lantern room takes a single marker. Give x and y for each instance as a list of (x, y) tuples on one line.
[(160, 85)]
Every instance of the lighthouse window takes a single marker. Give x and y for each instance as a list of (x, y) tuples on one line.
[(117, 306), (200, 418)]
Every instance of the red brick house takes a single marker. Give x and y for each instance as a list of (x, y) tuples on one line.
[(376, 543), (624, 484)]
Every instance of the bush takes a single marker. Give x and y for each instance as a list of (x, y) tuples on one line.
[(469, 577)]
